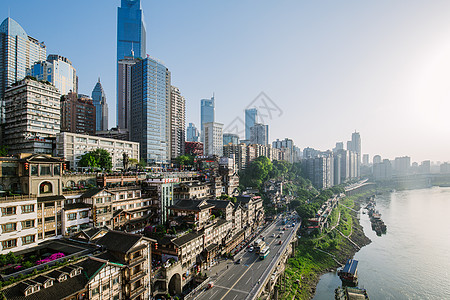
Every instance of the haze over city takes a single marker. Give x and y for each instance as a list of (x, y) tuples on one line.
[(380, 68)]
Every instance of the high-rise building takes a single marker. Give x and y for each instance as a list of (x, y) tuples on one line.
[(57, 70), (402, 165), (101, 107), (251, 118), (230, 138), (259, 134), (77, 114), (376, 159), (206, 114), (286, 144), (320, 170), (18, 51), (150, 110), (31, 123), (382, 170), (213, 138), (192, 134), (355, 144), (366, 159), (178, 122), (339, 146), (124, 91), (130, 29)]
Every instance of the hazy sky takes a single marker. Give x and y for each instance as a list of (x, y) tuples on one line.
[(380, 67)]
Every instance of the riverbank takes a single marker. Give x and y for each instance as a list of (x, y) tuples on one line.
[(317, 255)]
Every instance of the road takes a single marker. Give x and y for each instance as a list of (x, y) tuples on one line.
[(236, 282)]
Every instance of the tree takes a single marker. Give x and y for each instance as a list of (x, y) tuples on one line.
[(3, 150), (98, 158), (295, 203), (306, 211)]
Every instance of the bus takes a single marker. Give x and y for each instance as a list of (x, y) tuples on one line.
[(264, 252), (259, 244)]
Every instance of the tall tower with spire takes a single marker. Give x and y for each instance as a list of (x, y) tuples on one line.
[(101, 107)]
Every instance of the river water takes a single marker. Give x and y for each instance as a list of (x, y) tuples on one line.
[(412, 261)]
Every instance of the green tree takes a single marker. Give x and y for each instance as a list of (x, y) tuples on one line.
[(295, 203), (98, 158), (3, 150), (306, 211)]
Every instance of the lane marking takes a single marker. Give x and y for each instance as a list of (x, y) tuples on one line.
[(248, 280), (213, 294), (235, 290)]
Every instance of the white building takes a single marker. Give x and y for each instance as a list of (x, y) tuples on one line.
[(72, 146), (213, 138)]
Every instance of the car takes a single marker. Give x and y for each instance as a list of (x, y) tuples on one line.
[(263, 238), (250, 249), (279, 243), (274, 235), (210, 285), (238, 261), (282, 232), (278, 236)]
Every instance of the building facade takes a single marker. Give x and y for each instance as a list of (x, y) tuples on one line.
[(77, 114), (213, 138), (57, 70), (207, 114), (259, 134), (150, 110), (230, 138), (72, 146), (101, 107), (124, 91), (130, 29), (177, 123), (192, 133), (32, 117)]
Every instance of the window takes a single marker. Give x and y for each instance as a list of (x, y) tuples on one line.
[(9, 227), (28, 239), (8, 169), (116, 297), (105, 287), (72, 216), (49, 219), (56, 170), (27, 224), (45, 170), (99, 200), (115, 280), (9, 244), (27, 208), (84, 214), (8, 211), (34, 170), (39, 221), (95, 291)]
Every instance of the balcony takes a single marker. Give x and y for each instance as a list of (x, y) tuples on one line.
[(138, 275), (137, 291)]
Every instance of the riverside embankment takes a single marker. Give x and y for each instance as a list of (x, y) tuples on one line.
[(325, 252)]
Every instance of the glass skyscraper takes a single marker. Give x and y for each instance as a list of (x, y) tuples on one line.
[(130, 29), (101, 107), (18, 51), (207, 114), (150, 110), (192, 134), (251, 118)]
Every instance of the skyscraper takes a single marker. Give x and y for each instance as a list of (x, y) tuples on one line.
[(213, 136), (207, 114), (150, 110), (178, 122), (18, 51), (57, 70), (101, 107), (259, 134), (124, 91), (130, 29), (251, 118), (192, 134)]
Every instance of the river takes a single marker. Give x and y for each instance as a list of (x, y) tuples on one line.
[(412, 261)]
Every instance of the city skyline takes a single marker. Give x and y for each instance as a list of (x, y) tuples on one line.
[(368, 46)]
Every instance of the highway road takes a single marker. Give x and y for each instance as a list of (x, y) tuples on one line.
[(236, 282)]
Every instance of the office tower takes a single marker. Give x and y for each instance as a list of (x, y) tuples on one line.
[(178, 121), (213, 138), (192, 134), (130, 29), (259, 134), (376, 159), (101, 107), (251, 118), (366, 159), (150, 110), (18, 51), (57, 70), (31, 123), (230, 138), (355, 144), (206, 114), (77, 114), (124, 91)]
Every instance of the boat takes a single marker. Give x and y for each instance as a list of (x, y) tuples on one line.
[(348, 274)]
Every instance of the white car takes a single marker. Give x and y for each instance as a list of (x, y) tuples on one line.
[(250, 249)]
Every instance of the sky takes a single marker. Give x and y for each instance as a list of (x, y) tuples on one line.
[(326, 68)]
